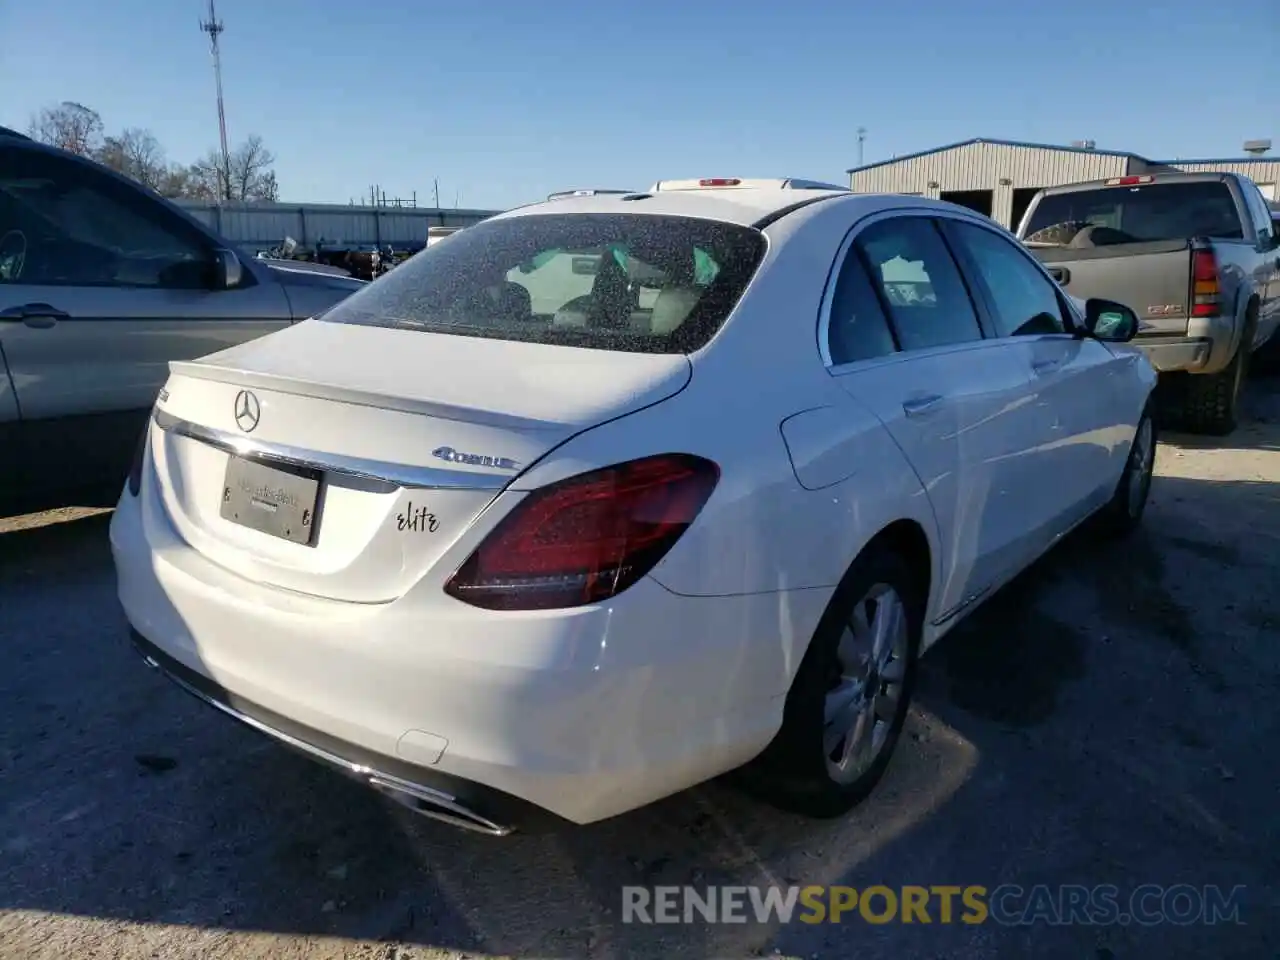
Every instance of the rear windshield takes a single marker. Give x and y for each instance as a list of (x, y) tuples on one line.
[(1115, 215), (629, 282)]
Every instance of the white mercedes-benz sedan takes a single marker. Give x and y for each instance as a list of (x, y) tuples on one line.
[(612, 494)]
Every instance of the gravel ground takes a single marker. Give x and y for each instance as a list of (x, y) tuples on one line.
[(1110, 718)]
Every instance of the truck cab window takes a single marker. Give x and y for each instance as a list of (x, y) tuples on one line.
[(1107, 216)]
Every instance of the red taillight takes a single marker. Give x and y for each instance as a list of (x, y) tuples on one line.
[(719, 182), (587, 538), (1128, 181), (1205, 290)]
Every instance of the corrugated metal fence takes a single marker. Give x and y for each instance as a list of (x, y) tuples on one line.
[(263, 225)]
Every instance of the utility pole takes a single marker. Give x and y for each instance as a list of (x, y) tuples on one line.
[(862, 138), (435, 188), (213, 27)]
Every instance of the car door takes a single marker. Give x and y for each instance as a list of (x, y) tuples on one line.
[(1076, 400), (904, 337), (110, 286)]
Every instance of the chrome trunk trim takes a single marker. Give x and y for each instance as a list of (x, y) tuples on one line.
[(378, 471)]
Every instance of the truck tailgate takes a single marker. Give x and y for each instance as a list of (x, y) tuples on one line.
[(1153, 279)]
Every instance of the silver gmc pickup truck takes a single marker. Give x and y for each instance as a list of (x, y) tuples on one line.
[(102, 283), (1195, 255)]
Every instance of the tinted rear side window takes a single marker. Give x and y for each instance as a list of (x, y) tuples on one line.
[(920, 283), (1114, 215), (628, 282)]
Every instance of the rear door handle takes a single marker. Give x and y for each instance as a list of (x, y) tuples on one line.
[(919, 406), (1061, 274), (38, 315)]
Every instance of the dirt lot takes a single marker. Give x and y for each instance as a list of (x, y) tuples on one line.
[(1111, 718)]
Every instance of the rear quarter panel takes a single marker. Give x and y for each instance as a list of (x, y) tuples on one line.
[(1239, 266), (764, 531), (763, 542)]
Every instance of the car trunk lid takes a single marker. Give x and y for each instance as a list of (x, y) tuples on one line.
[(344, 461)]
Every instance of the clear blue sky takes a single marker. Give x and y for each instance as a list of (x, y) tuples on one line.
[(506, 101)]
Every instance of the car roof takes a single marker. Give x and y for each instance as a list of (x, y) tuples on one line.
[(743, 206), (747, 207)]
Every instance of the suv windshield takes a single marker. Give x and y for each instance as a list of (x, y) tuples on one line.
[(1113, 215), (629, 282)]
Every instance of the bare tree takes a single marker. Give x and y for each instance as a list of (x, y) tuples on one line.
[(136, 153), (70, 125), (251, 176), (204, 179), (267, 189), (177, 182)]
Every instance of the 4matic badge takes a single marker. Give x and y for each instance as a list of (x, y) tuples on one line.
[(473, 459)]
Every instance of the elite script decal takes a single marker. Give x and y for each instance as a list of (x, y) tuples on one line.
[(417, 519)]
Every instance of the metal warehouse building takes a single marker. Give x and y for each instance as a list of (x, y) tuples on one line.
[(999, 177), (263, 225)]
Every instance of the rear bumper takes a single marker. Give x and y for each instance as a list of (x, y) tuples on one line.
[(1170, 354), (452, 800), (1207, 347), (583, 713)]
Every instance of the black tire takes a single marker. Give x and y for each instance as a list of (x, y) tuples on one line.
[(1123, 513), (793, 773), (1212, 402)]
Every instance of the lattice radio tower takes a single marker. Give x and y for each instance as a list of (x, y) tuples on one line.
[(213, 27)]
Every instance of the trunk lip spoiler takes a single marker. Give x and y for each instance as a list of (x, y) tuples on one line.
[(393, 475), (337, 393)]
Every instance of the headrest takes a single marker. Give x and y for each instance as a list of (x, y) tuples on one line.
[(672, 308)]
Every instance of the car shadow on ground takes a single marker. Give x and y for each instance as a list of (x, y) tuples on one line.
[(1073, 730)]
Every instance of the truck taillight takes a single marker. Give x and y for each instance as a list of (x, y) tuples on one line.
[(587, 538), (719, 182), (1205, 291)]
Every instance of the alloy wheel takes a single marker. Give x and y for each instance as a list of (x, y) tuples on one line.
[(861, 707), (1141, 466)]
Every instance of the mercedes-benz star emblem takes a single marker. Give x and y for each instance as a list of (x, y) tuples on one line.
[(248, 411)]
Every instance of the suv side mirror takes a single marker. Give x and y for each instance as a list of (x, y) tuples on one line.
[(1109, 321), (227, 270)]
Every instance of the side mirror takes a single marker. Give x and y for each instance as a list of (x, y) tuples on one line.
[(227, 270), (1109, 321)]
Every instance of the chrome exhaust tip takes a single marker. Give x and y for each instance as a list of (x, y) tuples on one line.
[(436, 805)]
